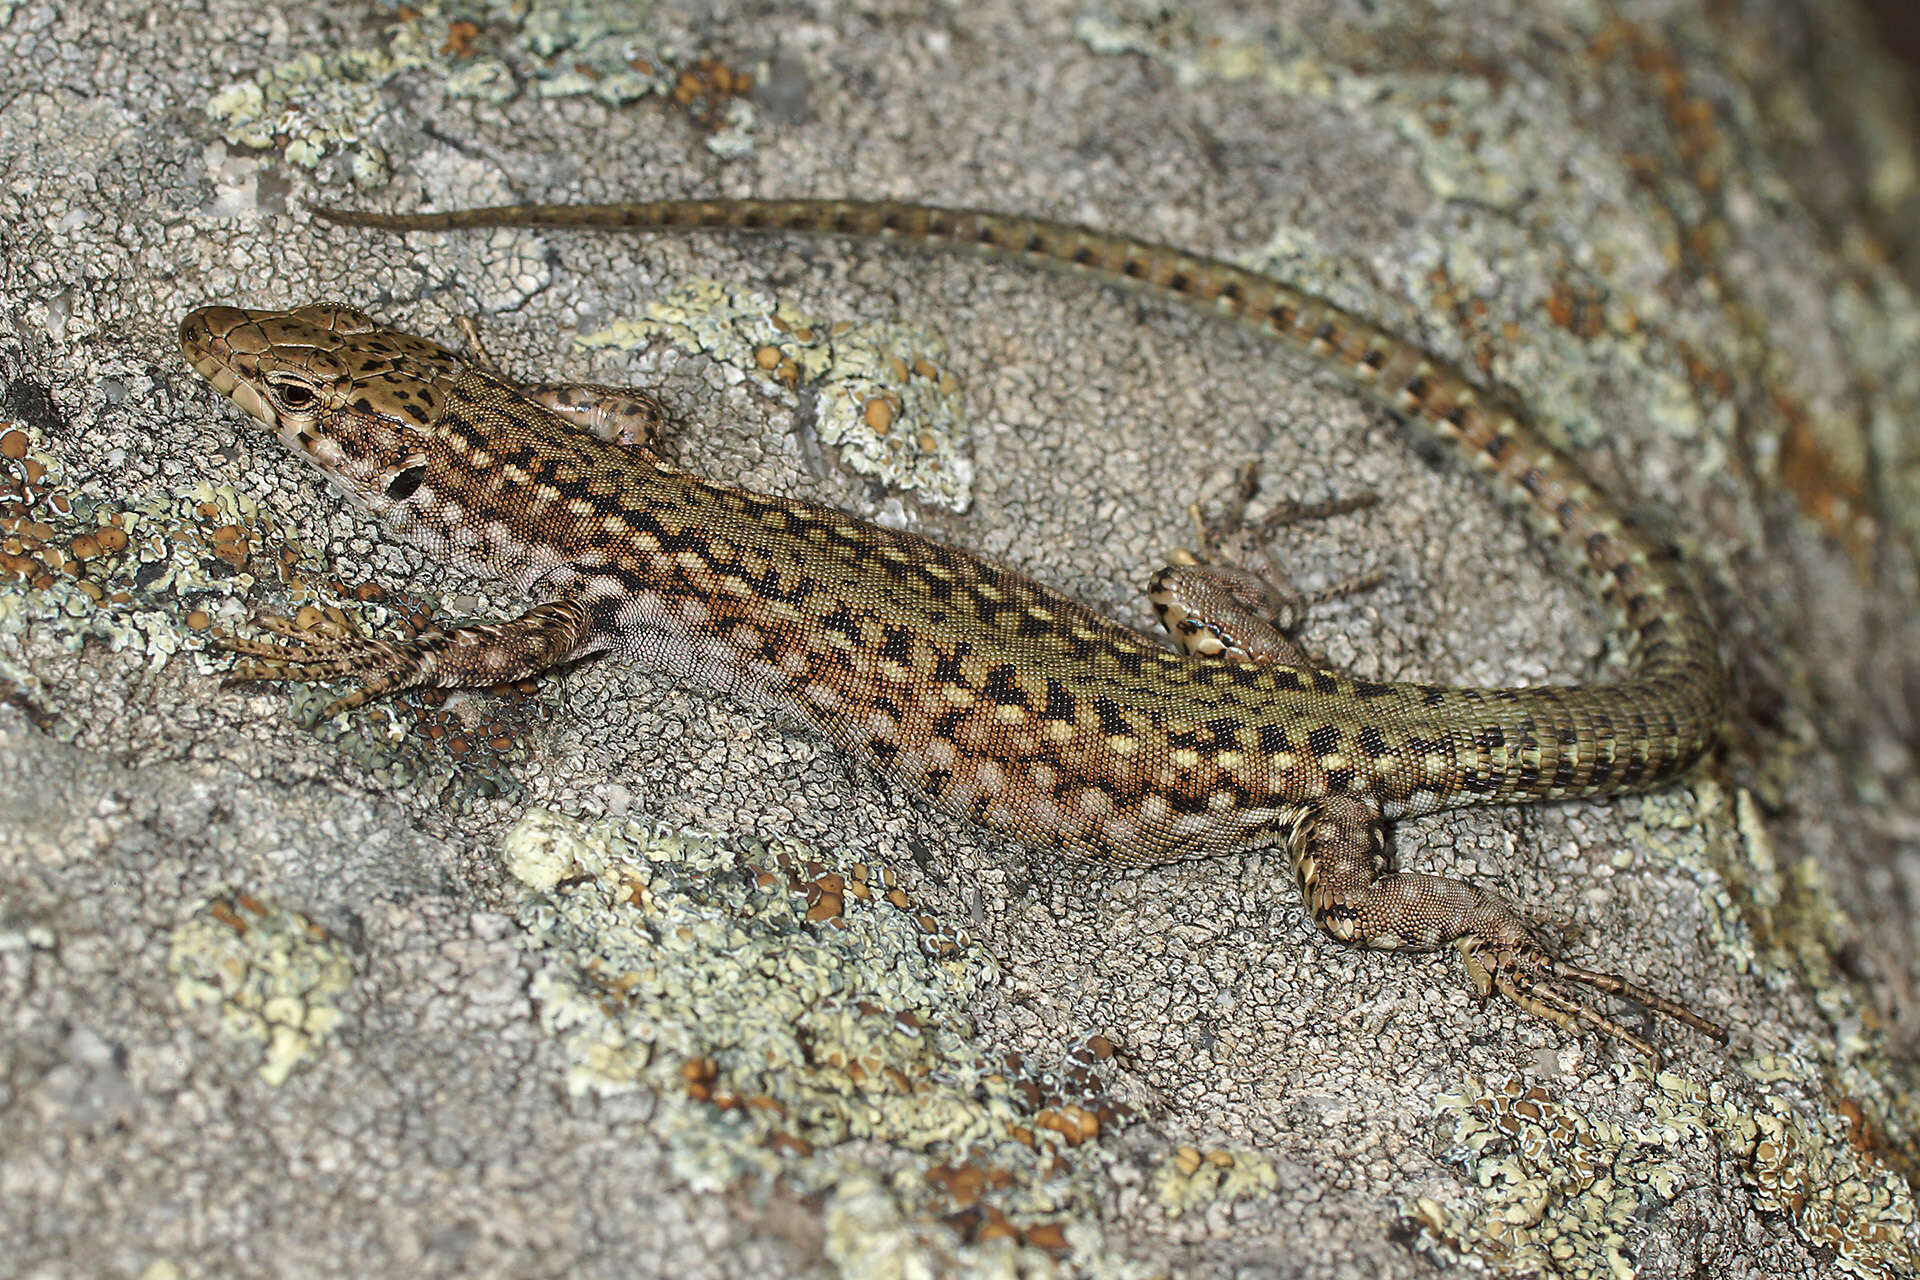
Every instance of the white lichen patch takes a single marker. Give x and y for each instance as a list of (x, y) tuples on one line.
[(780, 1009), (271, 973), (1191, 1179), (887, 402)]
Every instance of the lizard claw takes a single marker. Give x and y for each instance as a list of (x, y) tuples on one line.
[(1524, 976)]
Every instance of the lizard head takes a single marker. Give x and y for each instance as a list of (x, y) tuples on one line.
[(357, 399)]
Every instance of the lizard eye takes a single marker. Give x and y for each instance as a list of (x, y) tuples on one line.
[(292, 394)]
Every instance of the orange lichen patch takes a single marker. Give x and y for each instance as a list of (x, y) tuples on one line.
[(859, 883), (1075, 1124), (462, 39), (789, 1144), (1708, 375), (966, 1183), (1050, 1236), (706, 87), (708, 77), (1827, 490), (1581, 312), (225, 914), (826, 897), (230, 544), (699, 1074), (1824, 492), (14, 444)]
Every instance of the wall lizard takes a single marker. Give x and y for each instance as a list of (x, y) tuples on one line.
[(999, 699)]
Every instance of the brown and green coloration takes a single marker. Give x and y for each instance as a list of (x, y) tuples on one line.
[(999, 699)]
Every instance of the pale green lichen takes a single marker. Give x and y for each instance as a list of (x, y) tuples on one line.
[(321, 104), (779, 1008), (1561, 1186), (1559, 1189), (1808, 1167), (887, 402), (1682, 830), (313, 106), (1189, 1180), (271, 973), (209, 549)]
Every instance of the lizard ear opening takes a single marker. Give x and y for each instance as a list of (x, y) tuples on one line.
[(406, 481)]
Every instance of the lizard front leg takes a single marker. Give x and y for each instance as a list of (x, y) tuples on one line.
[(477, 654), (618, 415), (1227, 597)]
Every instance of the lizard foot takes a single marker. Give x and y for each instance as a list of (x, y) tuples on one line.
[(478, 654)]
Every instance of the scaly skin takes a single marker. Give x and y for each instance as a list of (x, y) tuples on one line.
[(999, 699)]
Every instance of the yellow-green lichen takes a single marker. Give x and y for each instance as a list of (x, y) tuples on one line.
[(271, 973), (780, 1008), (1837, 1198), (313, 106), (1560, 1188), (1190, 1179), (321, 104), (158, 576), (1683, 829), (887, 402)]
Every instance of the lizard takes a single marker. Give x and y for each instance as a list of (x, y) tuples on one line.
[(997, 698)]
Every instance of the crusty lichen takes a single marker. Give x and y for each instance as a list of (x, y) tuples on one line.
[(1563, 1184), (887, 402), (1190, 1179), (780, 1008), (272, 974), (319, 104)]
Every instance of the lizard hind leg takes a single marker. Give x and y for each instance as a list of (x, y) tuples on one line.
[(1339, 858), (1227, 596)]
